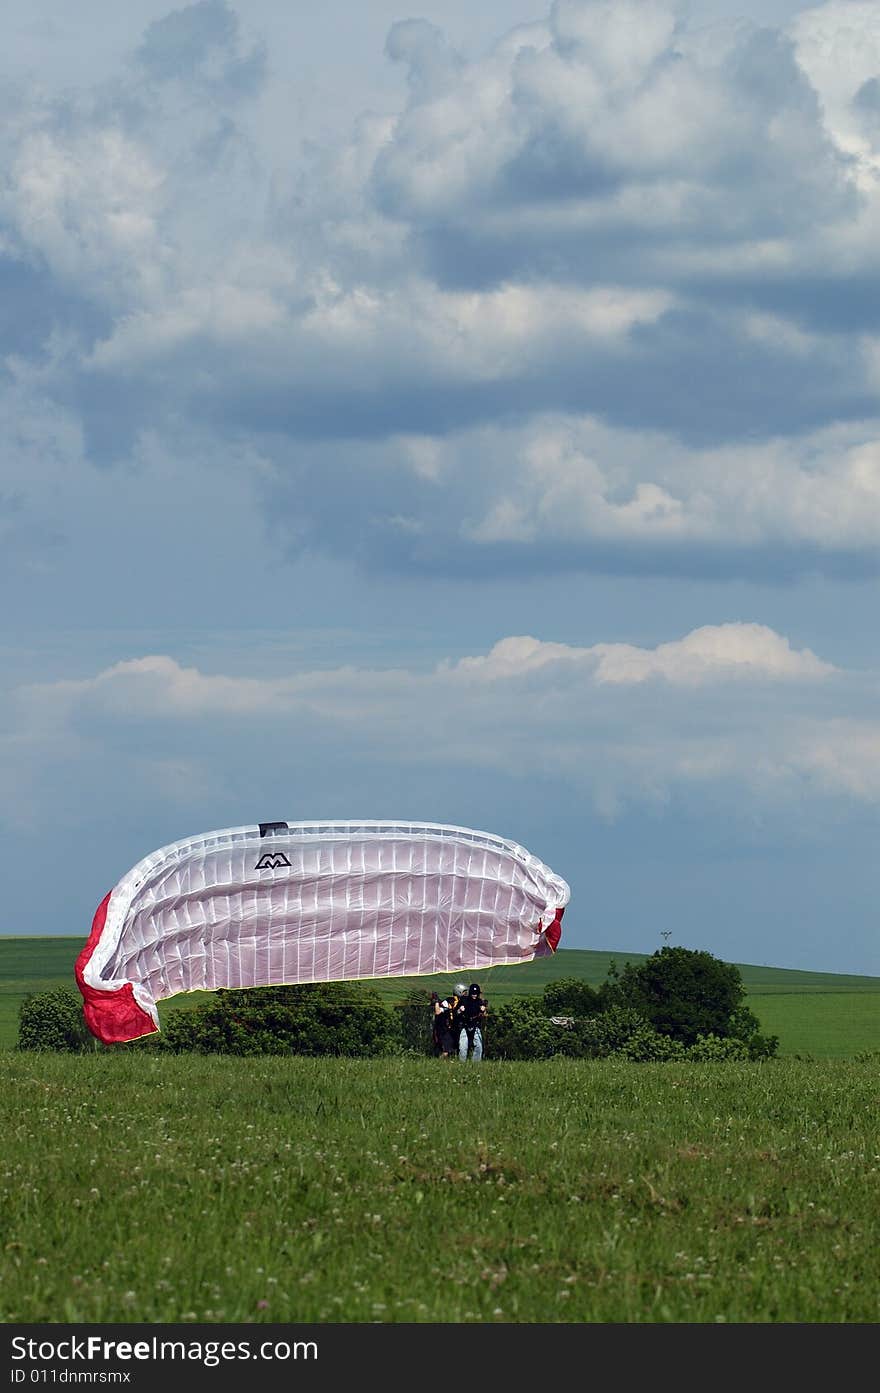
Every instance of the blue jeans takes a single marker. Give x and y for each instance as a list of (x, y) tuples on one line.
[(476, 1041)]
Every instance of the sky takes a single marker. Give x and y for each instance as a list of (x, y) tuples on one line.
[(463, 414)]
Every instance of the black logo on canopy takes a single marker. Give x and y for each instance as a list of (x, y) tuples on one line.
[(271, 860)]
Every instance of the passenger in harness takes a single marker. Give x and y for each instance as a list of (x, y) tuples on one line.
[(445, 1031)]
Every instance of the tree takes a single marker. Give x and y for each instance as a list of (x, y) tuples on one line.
[(682, 992), (745, 1026), (54, 1020), (569, 996)]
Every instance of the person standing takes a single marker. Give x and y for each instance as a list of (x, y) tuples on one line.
[(472, 1012), (446, 1020)]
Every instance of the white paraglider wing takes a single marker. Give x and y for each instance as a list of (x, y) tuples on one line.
[(282, 903)]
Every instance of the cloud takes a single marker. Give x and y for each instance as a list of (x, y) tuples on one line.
[(158, 687), (713, 653), (599, 299), (84, 204), (727, 712), (201, 45), (838, 48), (844, 755), (566, 492), (616, 122), (824, 490)]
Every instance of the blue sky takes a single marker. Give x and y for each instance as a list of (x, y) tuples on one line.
[(455, 416)]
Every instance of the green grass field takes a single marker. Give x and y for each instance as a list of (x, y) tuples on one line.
[(170, 1189), (823, 1014), (175, 1189)]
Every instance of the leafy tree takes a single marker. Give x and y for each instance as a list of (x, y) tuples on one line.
[(335, 1018), (744, 1025), (54, 1020), (569, 996), (682, 992)]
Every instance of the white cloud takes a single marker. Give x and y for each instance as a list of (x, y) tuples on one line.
[(838, 47), (575, 481), (844, 755), (564, 489), (709, 712), (714, 653), (298, 331), (87, 204), (612, 97)]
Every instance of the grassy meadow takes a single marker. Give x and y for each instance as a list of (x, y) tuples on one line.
[(166, 1189), (138, 1188)]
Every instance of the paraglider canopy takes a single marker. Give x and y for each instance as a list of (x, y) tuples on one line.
[(286, 902)]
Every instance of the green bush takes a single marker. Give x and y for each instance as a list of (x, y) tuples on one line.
[(620, 1031), (54, 1020), (683, 993), (708, 1047), (336, 1018), (415, 1021), (763, 1046), (647, 1044), (520, 1030)]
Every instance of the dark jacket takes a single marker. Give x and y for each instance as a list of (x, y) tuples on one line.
[(472, 1012), (446, 1023)]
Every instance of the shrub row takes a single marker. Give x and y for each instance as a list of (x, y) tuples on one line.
[(678, 1004), (521, 1029)]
